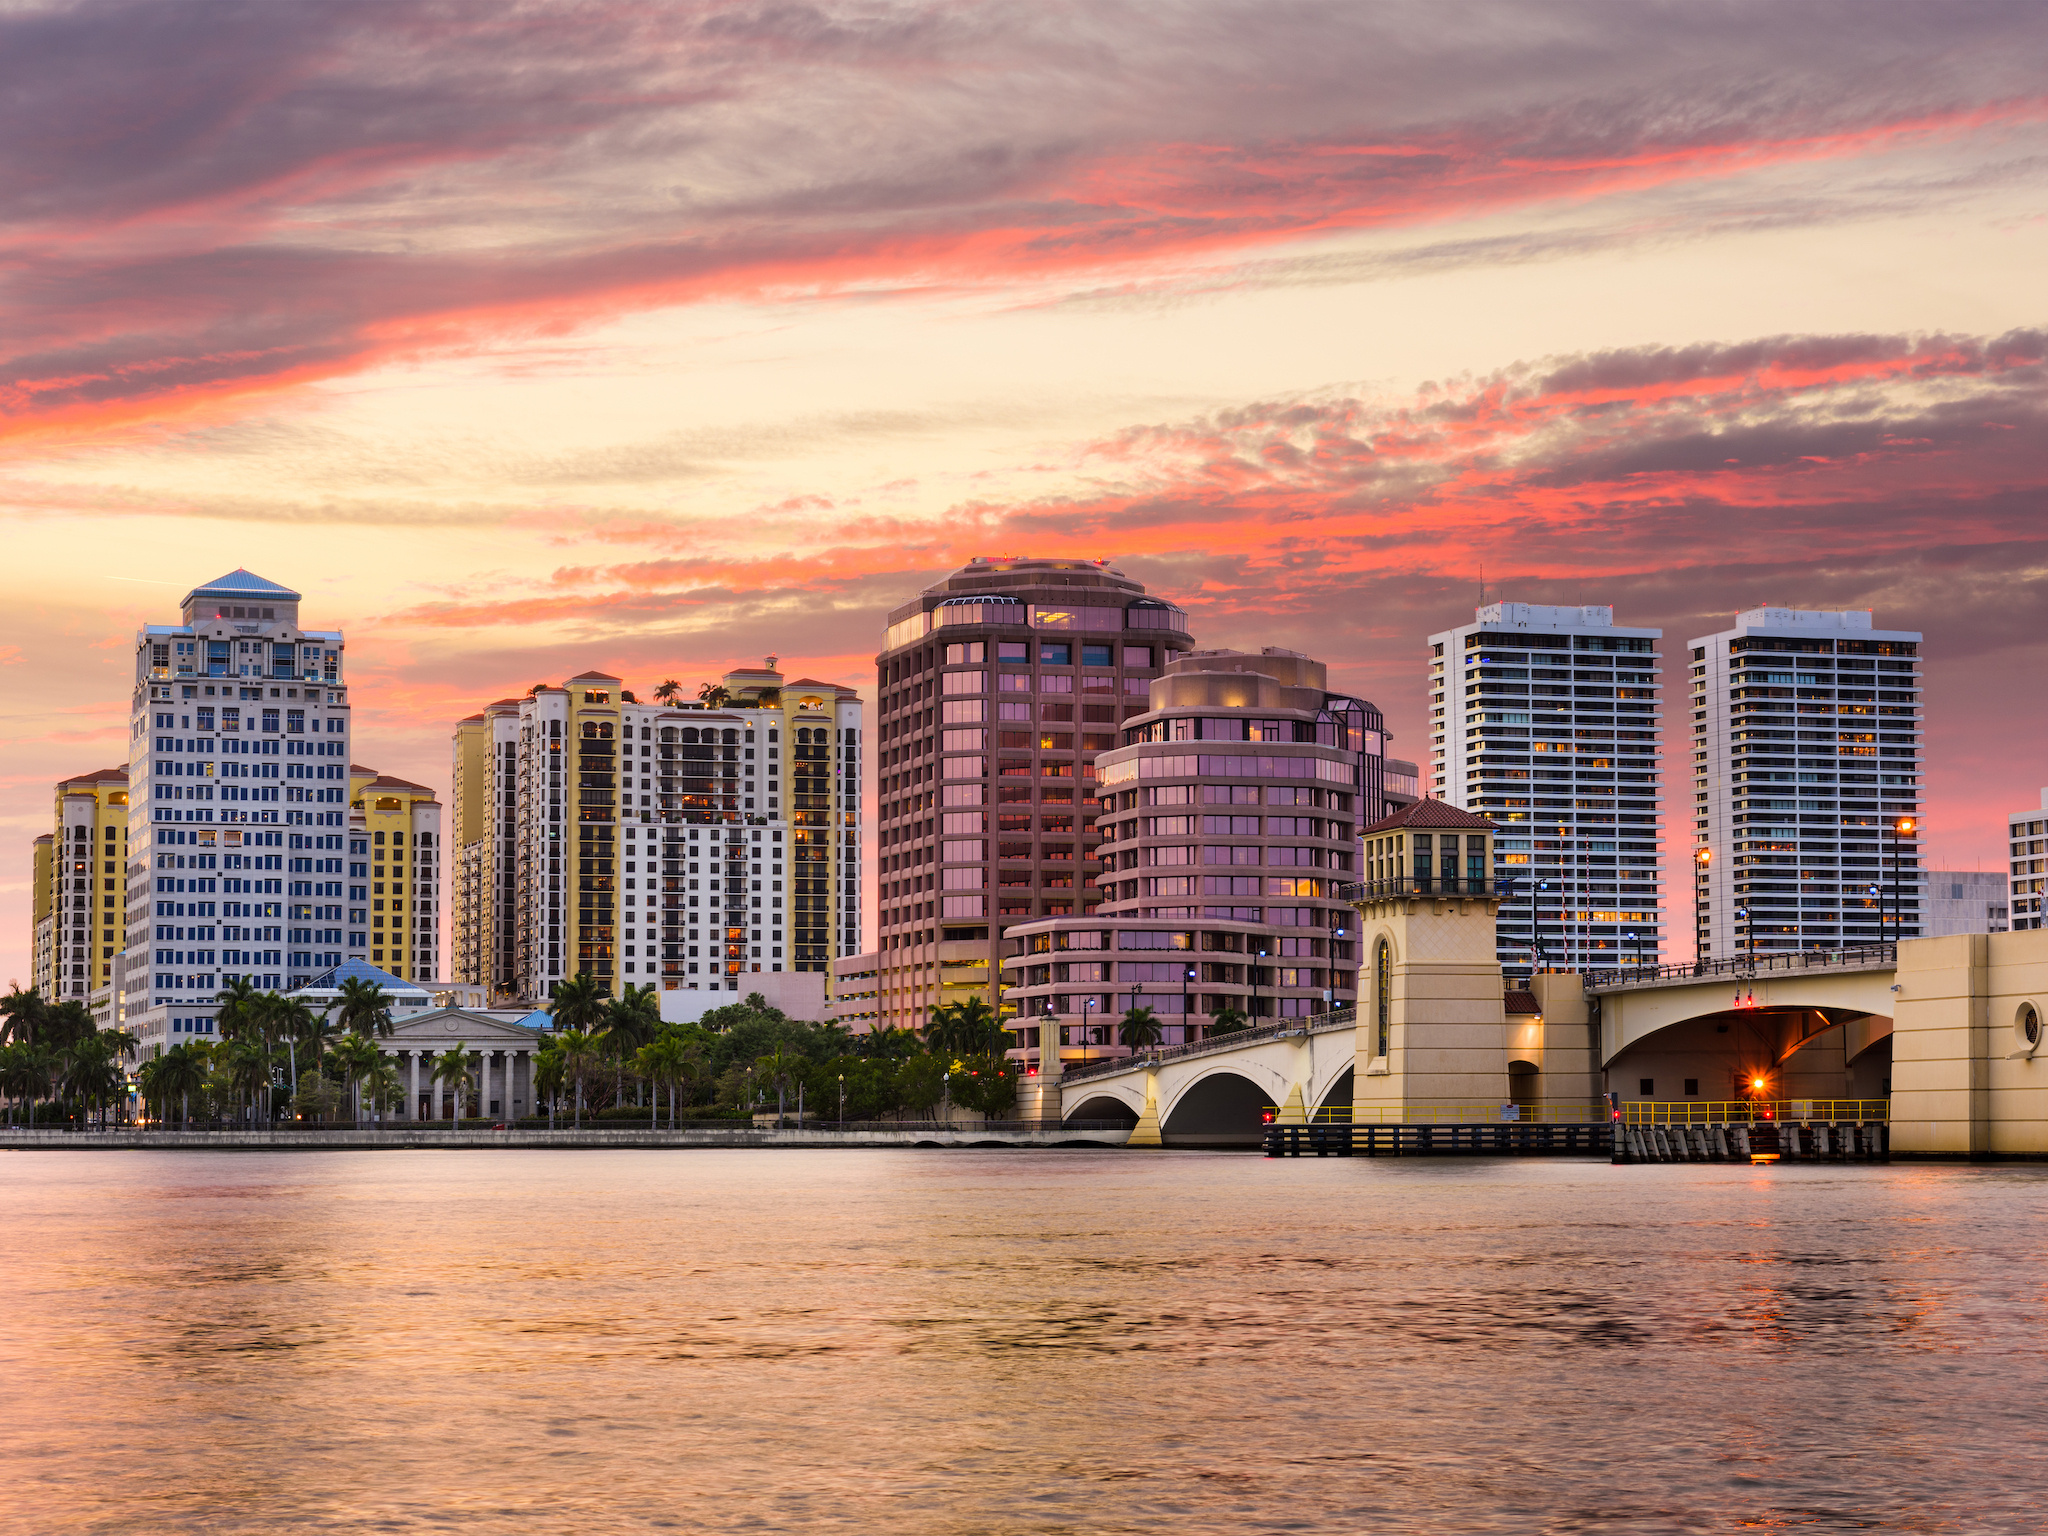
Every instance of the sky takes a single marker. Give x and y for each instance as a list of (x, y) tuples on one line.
[(530, 338)]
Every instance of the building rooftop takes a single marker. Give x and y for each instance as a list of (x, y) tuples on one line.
[(243, 584), (100, 777), (1427, 815)]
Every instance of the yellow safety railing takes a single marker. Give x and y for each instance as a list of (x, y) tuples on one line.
[(1749, 1111), (1547, 1112)]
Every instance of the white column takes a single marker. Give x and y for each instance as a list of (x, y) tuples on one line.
[(483, 1081), (412, 1085)]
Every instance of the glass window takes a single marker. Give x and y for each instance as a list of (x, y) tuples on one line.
[(1098, 655), (1013, 650), (1056, 653), (965, 655), (1137, 655)]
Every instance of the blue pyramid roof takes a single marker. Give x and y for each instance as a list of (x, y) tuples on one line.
[(243, 584), (360, 970)]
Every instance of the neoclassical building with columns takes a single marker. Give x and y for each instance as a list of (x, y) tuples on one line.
[(501, 1050)]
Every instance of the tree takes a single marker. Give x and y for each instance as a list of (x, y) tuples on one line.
[(318, 1095), (241, 1008), (887, 1043), (968, 1028), (550, 1074), (69, 1021), (987, 1084), (245, 1064), (714, 695), (630, 1021), (579, 1003), (666, 1062), (452, 1067), (579, 1054), (21, 1016), (1140, 1029), (536, 688), (920, 1081), (355, 1054), (1227, 1021), (778, 1070), (668, 691), (363, 1008), (179, 1071)]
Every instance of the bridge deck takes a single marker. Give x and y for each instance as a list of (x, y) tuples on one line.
[(1854, 957)]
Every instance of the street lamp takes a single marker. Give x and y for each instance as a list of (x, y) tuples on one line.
[(1635, 954), (1048, 1037), (1255, 984), (1187, 977), (1748, 936), (842, 1101), (1903, 827), (1702, 858)]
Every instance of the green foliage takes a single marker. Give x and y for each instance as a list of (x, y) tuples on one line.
[(1140, 1029), (318, 1096), (363, 1008), (1229, 1021), (579, 1004), (987, 1084)]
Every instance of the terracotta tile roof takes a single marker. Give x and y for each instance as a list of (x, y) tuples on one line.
[(96, 778), (593, 677), (1429, 814), (1522, 1002)]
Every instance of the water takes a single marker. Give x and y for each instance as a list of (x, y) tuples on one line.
[(957, 1342)]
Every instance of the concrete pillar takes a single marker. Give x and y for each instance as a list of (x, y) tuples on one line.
[(412, 1085), (1146, 1132)]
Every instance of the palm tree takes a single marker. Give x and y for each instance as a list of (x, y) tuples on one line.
[(1140, 1029), (1227, 1021), (68, 1021), (363, 1007), (668, 691), (630, 1021), (356, 1055), (668, 1060), (241, 1008), (579, 1003), (550, 1074), (246, 1064), (779, 1070), (714, 695), (381, 1084), (21, 1015), (180, 1070), (579, 1053), (88, 1070), (452, 1067)]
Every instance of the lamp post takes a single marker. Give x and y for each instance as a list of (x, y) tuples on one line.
[(1702, 858), (1635, 954), (842, 1101), (1748, 936), (1087, 1029), (1255, 984), (1048, 1038), (1187, 977), (1903, 827)]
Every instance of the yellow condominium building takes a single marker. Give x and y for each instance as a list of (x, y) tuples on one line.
[(394, 875), (81, 906)]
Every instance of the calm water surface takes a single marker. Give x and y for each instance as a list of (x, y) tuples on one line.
[(955, 1341)]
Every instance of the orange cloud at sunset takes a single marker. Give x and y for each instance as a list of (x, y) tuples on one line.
[(525, 340)]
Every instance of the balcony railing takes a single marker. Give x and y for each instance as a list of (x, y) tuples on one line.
[(1442, 885), (1841, 957)]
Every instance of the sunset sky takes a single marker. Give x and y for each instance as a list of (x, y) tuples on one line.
[(525, 339)]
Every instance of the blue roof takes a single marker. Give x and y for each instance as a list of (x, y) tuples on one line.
[(359, 970), (241, 583)]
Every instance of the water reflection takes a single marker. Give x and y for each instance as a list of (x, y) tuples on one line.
[(988, 1341)]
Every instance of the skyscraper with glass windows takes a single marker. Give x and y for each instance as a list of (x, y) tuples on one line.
[(238, 785), (1806, 783), (999, 685), (1545, 721)]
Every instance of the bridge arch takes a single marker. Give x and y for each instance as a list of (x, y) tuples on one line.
[(1111, 1101), (1223, 1107), (1793, 1051)]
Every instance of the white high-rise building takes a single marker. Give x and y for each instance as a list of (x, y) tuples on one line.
[(238, 806), (1806, 783), (2025, 829), (1545, 721)]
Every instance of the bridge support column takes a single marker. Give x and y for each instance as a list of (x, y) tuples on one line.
[(1294, 1111), (1146, 1132)]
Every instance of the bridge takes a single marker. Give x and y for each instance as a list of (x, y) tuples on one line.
[(1946, 1032)]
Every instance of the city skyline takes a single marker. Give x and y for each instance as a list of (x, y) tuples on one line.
[(1328, 326)]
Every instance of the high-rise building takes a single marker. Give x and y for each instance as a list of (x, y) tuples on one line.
[(662, 843), (238, 786), (1230, 817), (2025, 829), (394, 875), (998, 686), (1545, 721), (483, 875), (81, 894), (1806, 783)]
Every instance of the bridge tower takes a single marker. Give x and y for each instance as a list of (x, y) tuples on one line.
[(1432, 1025)]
